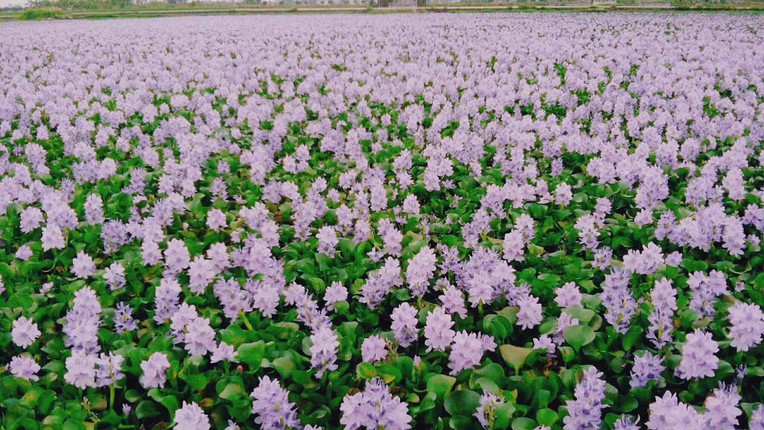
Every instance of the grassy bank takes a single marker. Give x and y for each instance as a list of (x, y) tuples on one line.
[(206, 9)]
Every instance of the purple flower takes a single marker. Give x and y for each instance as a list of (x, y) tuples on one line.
[(486, 412), (617, 298), (335, 293), (453, 301), (722, 408), (123, 319), (746, 325), (663, 298), (404, 324), (420, 269), (271, 406), (24, 332), (114, 275), (585, 412), (22, 366), (667, 413), (374, 348), (108, 369), (647, 367), (374, 408), (154, 369), (216, 219), (530, 313), (568, 295), (699, 358), (52, 238), (327, 240), (177, 257), (223, 352), (467, 351), (80, 369), (191, 417), (323, 351), (437, 331)]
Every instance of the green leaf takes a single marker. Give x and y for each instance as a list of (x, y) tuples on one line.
[(284, 330), (523, 424), (146, 409), (252, 354), (440, 385), (233, 391), (579, 336), (284, 365), (464, 402), (366, 371), (515, 356), (503, 415), (546, 417)]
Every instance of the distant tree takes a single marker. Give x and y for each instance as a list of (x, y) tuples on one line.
[(421, 3)]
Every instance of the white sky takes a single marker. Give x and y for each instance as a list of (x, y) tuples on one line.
[(6, 3)]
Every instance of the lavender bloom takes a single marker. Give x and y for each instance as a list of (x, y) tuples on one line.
[(123, 319), (746, 325), (705, 289), (646, 262), (82, 321), (374, 408), (154, 371), (530, 313), (420, 270), (201, 272), (24, 332), (467, 351), (177, 257), (404, 324), (22, 366), (668, 413), (271, 406), (486, 412), (166, 299), (94, 209), (191, 417), (108, 369), (722, 408), (756, 422), (323, 351), (585, 412), (647, 367), (626, 423), (699, 358), (83, 266), (80, 369), (327, 240), (23, 253), (617, 298), (374, 348), (335, 293), (437, 331), (52, 238), (663, 298), (453, 301), (568, 295), (114, 275), (216, 220), (199, 337), (223, 352)]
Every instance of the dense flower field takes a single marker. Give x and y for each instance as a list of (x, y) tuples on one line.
[(530, 221)]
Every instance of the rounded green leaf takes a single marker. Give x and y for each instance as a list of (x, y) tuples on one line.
[(463, 402), (579, 336), (440, 385)]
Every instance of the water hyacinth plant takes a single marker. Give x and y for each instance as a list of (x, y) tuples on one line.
[(532, 221)]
